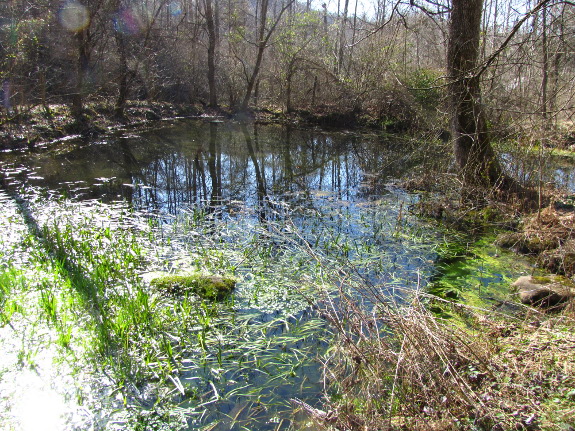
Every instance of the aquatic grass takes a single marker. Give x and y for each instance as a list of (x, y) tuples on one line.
[(40, 328), (142, 337), (395, 365), (183, 351), (11, 280)]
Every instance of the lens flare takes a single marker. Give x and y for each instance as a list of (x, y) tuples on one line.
[(174, 8), (129, 22), (74, 16)]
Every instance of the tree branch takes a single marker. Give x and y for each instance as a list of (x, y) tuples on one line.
[(514, 30)]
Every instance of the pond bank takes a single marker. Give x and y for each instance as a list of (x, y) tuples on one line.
[(40, 126), (497, 372)]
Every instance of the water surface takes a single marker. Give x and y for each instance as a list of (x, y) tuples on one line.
[(298, 195)]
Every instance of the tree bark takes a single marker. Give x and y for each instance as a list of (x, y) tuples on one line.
[(474, 155), (212, 40), (82, 64)]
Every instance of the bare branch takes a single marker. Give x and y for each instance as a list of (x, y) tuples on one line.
[(514, 30)]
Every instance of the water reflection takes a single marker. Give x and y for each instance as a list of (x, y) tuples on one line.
[(331, 186), (219, 163), (550, 169)]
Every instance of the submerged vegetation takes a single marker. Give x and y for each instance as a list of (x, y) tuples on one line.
[(166, 360)]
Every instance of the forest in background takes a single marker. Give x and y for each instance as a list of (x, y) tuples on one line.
[(385, 60)]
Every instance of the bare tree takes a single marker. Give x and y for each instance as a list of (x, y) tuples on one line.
[(263, 36), (473, 152), (212, 42)]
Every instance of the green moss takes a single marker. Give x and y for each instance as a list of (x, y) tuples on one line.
[(555, 278), (477, 274), (482, 216), (541, 280), (206, 287)]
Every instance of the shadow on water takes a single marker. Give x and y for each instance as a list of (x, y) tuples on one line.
[(89, 288)]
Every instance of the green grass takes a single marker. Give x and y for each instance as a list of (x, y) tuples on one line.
[(89, 274)]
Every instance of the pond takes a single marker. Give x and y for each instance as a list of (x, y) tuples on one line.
[(195, 163), (294, 215)]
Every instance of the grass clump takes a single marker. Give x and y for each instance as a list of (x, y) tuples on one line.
[(205, 286), (550, 236), (403, 368)]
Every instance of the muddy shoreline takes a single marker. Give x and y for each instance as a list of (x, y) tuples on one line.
[(40, 126)]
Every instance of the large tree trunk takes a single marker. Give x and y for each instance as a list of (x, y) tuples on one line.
[(212, 41), (474, 155)]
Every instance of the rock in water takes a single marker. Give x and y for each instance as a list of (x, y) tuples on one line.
[(205, 286), (544, 292)]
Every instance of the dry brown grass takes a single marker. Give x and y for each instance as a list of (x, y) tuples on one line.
[(550, 235), (402, 368)]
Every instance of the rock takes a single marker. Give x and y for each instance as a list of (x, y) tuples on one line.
[(544, 292), (205, 286)]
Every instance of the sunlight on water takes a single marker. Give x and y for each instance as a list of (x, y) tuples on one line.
[(37, 390), (42, 387), (38, 406)]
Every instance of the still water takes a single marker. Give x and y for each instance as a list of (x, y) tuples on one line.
[(331, 193), (334, 187), (197, 163)]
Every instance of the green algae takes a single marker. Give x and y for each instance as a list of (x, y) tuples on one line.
[(478, 274)]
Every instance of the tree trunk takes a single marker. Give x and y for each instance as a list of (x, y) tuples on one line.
[(261, 44), (212, 40), (342, 30), (545, 69), (123, 81), (557, 59), (83, 61), (474, 155), (263, 38), (288, 92)]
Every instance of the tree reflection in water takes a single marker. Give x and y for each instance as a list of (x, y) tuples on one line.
[(226, 167)]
